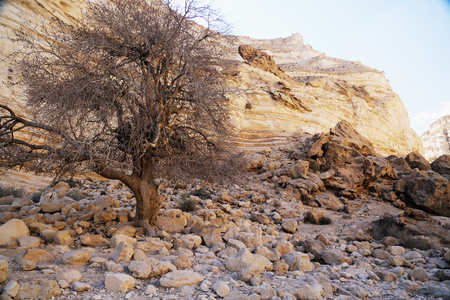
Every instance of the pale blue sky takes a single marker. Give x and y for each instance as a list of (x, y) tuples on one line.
[(407, 39)]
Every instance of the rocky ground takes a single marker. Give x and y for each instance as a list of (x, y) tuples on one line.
[(322, 218)]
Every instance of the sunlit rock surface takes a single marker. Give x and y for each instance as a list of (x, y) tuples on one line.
[(310, 92), (436, 141)]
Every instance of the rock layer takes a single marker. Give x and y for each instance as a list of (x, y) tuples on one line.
[(291, 87), (287, 86)]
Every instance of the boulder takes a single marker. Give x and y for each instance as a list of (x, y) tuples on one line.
[(112, 266), (251, 240), (241, 260), (221, 288), (52, 207), (329, 201), (309, 289), (429, 191), (334, 257), (314, 216), (418, 274), (314, 247), (441, 165), (149, 267), (29, 242), (40, 289), (272, 255), (33, 257), (440, 289), (265, 291), (345, 130), (188, 241), (256, 162), (117, 238), (123, 252), (63, 238), (180, 278), (77, 257), (212, 238), (153, 246), (12, 230), (150, 289), (3, 270), (282, 248), (298, 261), (11, 289), (289, 226), (80, 286), (182, 262), (119, 282), (415, 160), (69, 276), (105, 201), (93, 240), (399, 164), (300, 169)]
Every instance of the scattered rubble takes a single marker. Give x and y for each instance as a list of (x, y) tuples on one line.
[(322, 218)]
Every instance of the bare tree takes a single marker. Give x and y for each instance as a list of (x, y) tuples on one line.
[(133, 86)]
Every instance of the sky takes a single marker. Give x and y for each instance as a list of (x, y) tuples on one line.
[(407, 39)]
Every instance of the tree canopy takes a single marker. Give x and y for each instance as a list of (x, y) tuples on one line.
[(132, 86)]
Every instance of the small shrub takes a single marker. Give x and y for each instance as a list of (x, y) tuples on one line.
[(35, 197), (202, 194), (73, 183), (277, 204), (388, 226), (103, 193), (314, 167), (187, 204), (418, 242), (325, 221), (76, 194), (248, 105), (10, 191)]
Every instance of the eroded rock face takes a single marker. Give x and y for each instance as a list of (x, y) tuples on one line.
[(294, 88), (307, 91), (436, 141)]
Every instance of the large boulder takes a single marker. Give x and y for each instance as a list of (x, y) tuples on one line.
[(12, 230), (350, 157), (428, 190), (415, 160), (442, 165), (241, 260), (345, 130), (119, 282)]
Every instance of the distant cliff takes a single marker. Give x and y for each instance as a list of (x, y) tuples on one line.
[(437, 140), (288, 87)]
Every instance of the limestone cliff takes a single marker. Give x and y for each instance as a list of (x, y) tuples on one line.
[(311, 92), (289, 88), (436, 141)]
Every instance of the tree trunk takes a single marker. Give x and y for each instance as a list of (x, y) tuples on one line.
[(147, 206), (143, 185), (144, 188)]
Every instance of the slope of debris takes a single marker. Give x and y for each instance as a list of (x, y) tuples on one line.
[(321, 218)]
